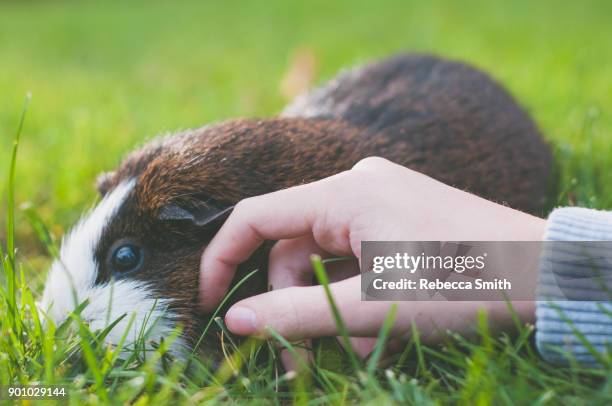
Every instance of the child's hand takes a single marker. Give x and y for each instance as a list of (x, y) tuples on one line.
[(375, 201)]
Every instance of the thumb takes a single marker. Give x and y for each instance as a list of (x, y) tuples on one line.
[(297, 312)]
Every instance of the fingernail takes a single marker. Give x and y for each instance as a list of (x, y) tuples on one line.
[(241, 320)]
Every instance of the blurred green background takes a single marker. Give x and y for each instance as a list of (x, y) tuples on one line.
[(105, 76)]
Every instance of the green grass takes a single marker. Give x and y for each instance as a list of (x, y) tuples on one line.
[(105, 76)]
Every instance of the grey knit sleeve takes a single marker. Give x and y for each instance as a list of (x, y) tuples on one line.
[(580, 328)]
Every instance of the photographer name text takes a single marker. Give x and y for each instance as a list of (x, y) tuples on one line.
[(438, 284)]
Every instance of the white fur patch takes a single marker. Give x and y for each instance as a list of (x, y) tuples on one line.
[(71, 281), (109, 302)]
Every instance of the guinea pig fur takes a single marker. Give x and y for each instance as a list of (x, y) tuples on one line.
[(138, 251)]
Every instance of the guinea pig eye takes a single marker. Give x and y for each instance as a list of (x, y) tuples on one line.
[(127, 258)]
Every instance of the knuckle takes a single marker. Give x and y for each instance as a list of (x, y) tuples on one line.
[(330, 233), (243, 205), (244, 210), (371, 162), (243, 219)]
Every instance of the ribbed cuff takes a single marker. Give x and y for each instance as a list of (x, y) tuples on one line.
[(582, 327)]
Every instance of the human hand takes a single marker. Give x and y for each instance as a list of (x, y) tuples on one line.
[(375, 201)]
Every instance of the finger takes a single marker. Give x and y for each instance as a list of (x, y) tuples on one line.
[(289, 264), (304, 312), (252, 221), (285, 214)]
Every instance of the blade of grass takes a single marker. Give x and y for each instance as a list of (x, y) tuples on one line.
[(226, 332), (418, 348), (225, 299), (42, 232), (9, 267), (304, 365), (90, 356), (321, 275), (383, 336)]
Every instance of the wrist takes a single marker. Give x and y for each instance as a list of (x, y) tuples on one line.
[(502, 223)]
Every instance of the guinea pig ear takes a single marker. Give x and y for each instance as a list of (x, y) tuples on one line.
[(104, 182), (205, 215)]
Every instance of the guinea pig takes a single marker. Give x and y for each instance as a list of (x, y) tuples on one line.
[(138, 251)]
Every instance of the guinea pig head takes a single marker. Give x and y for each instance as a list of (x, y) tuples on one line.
[(137, 253)]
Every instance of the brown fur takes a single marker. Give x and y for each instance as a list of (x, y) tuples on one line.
[(442, 118)]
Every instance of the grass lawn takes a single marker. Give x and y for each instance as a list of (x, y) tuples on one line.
[(106, 76)]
